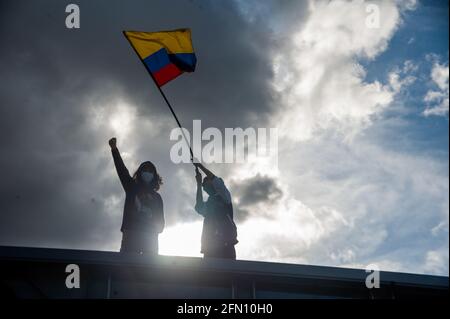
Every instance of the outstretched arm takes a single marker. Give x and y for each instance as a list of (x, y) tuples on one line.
[(208, 173), (122, 171), (217, 182), (199, 205)]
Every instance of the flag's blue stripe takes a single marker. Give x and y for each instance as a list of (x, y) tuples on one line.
[(159, 59), (184, 61)]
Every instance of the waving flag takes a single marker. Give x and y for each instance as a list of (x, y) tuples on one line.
[(166, 54)]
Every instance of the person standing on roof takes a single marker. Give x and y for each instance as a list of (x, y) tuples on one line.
[(143, 213), (219, 235)]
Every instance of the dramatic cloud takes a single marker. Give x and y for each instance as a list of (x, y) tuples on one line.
[(335, 194), (347, 197), (321, 83), (66, 92), (257, 194)]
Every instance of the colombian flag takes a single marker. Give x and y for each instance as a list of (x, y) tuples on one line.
[(166, 54)]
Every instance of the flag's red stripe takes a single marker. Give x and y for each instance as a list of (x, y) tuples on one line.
[(166, 74)]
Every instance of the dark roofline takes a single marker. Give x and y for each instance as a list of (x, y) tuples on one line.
[(238, 267)]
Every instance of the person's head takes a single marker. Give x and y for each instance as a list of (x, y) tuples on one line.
[(147, 176), (208, 186)]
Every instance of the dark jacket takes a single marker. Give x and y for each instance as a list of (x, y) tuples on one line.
[(219, 229), (133, 219)]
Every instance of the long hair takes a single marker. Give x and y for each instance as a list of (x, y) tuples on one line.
[(157, 180)]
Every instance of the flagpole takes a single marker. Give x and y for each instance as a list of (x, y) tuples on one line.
[(165, 98), (176, 118)]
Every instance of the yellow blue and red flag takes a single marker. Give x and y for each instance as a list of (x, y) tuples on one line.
[(166, 54)]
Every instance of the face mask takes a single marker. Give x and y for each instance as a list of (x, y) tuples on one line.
[(147, 177)]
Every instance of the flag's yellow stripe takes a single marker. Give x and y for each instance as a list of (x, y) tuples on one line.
[(147, 43)]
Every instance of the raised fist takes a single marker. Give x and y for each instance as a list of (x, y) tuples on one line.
[(112, 142)]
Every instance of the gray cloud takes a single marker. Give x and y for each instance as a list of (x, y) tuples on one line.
[(65, 92), (58, 183), (254, 193)]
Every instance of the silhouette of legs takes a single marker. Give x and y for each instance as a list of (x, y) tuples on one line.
[(139, 242), (227, 252)]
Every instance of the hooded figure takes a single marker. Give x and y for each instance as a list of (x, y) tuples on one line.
[(143, 214), (219, 235)]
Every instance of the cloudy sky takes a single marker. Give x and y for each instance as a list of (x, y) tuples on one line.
[(362, 117)]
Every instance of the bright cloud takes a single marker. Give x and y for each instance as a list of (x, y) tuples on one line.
[(339, 192), (321, 83), (437, 99), (342, 202), (339, 201)]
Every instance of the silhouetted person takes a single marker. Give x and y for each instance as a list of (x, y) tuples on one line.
[(143, 214), (219, 233)]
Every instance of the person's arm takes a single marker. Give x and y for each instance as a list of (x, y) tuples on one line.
[(121, 169), (217, 182), (158, 216), (199, 205), (207, 172)]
